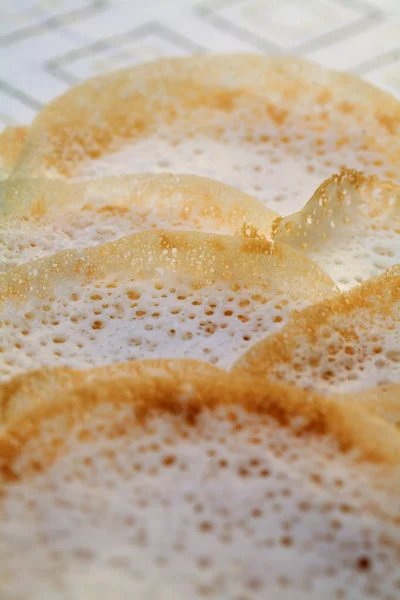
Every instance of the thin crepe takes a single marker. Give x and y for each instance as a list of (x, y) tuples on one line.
[(350, 227), (43, 216)]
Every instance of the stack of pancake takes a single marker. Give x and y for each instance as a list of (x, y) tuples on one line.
[(200, 337)]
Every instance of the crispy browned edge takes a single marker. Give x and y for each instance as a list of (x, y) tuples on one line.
[(283, 227), (294, 228), (35, 388), (12, 140), (219, 82), (378, 295), (36, 198), (205, 257), (187, 396)]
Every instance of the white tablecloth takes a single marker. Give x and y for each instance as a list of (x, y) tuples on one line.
[(49, 45)]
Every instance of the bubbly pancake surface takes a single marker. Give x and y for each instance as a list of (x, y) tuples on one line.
[(175, 487), (157, 294), (245, 120), (343, 345)]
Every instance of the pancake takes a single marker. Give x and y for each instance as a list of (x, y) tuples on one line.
[(273, 127), (216, 486), (11, 141), (43, 216), (154, 294), (350, 227), (340, 346)]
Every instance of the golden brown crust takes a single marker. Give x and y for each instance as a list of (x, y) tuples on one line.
[(378, 295), (134, 102), (187, 396)]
